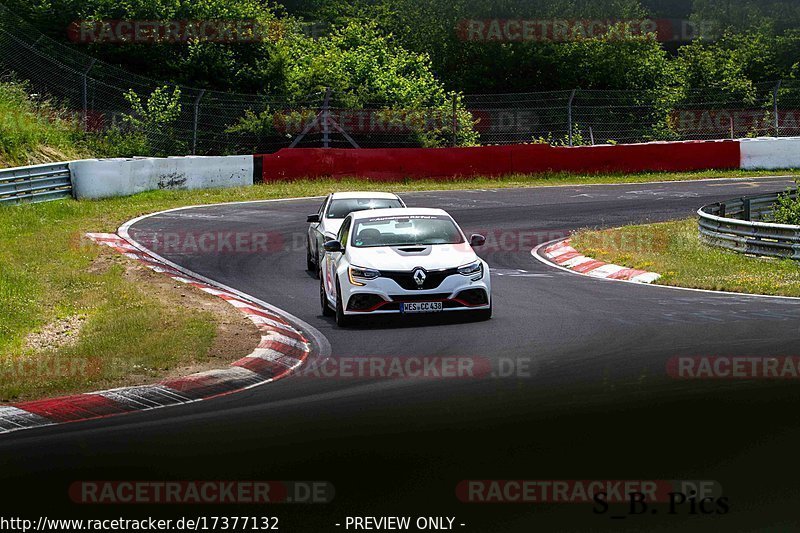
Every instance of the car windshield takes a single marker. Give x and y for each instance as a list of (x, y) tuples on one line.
[(343, 207), (406, 230)]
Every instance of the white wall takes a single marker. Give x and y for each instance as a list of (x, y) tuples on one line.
[(104, 178), (770, 153)]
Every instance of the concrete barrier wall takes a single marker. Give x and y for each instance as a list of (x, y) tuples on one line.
[(770, 154), (105, 178), (446, 163)]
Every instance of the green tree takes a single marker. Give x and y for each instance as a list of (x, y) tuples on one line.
[(155, 117)]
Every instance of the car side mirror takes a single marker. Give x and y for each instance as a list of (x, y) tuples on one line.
[(333, 246), (312, 218), (477, 240)]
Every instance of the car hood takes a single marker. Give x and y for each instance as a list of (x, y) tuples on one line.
[(406, 258)]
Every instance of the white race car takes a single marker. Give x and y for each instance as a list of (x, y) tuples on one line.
[(403, 261), (325, 223)]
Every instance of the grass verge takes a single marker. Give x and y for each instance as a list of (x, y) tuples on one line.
[(674, 250), (34, 131), (49, 273)]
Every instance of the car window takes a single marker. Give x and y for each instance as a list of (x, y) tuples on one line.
[(344, 206), (406, 230), (344, 232), (321, 209)]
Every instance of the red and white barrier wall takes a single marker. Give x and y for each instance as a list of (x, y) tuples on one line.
[(400, 163), (121, 177), (447, 163)]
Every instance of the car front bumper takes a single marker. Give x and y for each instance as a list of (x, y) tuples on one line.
[(384, 295)]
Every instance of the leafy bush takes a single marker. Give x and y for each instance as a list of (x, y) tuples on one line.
[(366, 70), (787, 210), (154, 119), (116, 142), (577, 138)]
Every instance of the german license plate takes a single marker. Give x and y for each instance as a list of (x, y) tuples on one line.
[(421, 307)]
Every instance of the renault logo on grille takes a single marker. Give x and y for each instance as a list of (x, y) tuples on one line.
[(419, 276)]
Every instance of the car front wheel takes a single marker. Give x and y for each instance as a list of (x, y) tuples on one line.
[(323, 299), (342, 320)]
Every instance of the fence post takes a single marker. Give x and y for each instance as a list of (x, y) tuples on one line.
[(326, 137), (86, 95), (196, 119), (455, 120), (569, 113), (775, 107)]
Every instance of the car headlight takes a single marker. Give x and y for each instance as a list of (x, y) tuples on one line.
[(355, 273), (471, 269)]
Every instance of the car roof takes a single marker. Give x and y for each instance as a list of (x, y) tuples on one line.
[(360, 194), (358, 215)]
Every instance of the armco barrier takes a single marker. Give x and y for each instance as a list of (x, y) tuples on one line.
[(743, 225), (104, 178), (400, 163), (38, 183)]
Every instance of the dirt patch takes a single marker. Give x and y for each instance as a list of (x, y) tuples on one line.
[(59, 334), (236, 336)]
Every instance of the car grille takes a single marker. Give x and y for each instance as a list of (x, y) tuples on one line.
[(433, 280), (447, 304), (419, 298)]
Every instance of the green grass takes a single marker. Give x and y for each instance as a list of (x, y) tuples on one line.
[(36, 131), (318, 187), (46, 274), (674, 250)]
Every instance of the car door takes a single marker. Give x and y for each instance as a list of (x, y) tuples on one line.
[(334, 259), (315, 236)]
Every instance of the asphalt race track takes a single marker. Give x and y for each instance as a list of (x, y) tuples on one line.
[(593, 400)]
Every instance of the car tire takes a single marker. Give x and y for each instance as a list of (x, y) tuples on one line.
[(342, 320), (323, 300)]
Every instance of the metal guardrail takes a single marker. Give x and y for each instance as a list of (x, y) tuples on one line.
[(744, 225), (38, 183)]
